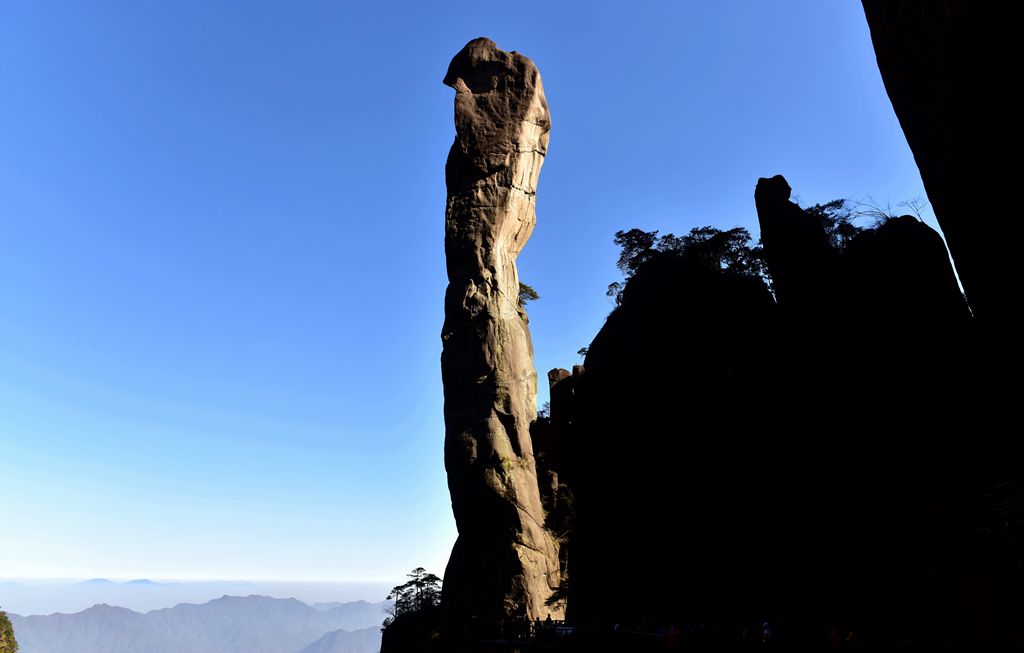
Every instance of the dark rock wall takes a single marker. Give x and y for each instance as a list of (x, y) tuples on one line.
[(945, 65), (668, 406), (948, 67), (739, 458)]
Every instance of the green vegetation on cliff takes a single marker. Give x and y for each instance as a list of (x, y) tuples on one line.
[(732, 251), (7, 642)]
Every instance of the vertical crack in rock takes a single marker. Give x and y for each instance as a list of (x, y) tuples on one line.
[(504, 564)]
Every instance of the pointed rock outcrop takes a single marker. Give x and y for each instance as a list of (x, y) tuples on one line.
[(504, 564)]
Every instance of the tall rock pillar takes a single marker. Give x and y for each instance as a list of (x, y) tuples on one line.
[(504, 564)]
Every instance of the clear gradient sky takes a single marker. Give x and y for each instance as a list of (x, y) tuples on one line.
[(221, 248)]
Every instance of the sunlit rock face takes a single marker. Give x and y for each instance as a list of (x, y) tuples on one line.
[(504, 564)]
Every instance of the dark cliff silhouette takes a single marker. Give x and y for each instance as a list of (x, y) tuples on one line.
[(685, 349), (799, 446), (945, 65)]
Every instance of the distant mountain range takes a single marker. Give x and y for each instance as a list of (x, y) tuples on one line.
[(343, 641), (104, 582), (230, 624), (46, 596)]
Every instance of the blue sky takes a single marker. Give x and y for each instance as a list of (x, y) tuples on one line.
[(221, 248)]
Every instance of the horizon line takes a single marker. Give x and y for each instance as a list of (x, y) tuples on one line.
[(188, 579)]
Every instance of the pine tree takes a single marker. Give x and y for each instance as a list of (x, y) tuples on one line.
[(421, 593)]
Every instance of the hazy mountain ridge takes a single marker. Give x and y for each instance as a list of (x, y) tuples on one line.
[(230, 624), (356, 615), (341, 641), (41, 596)]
